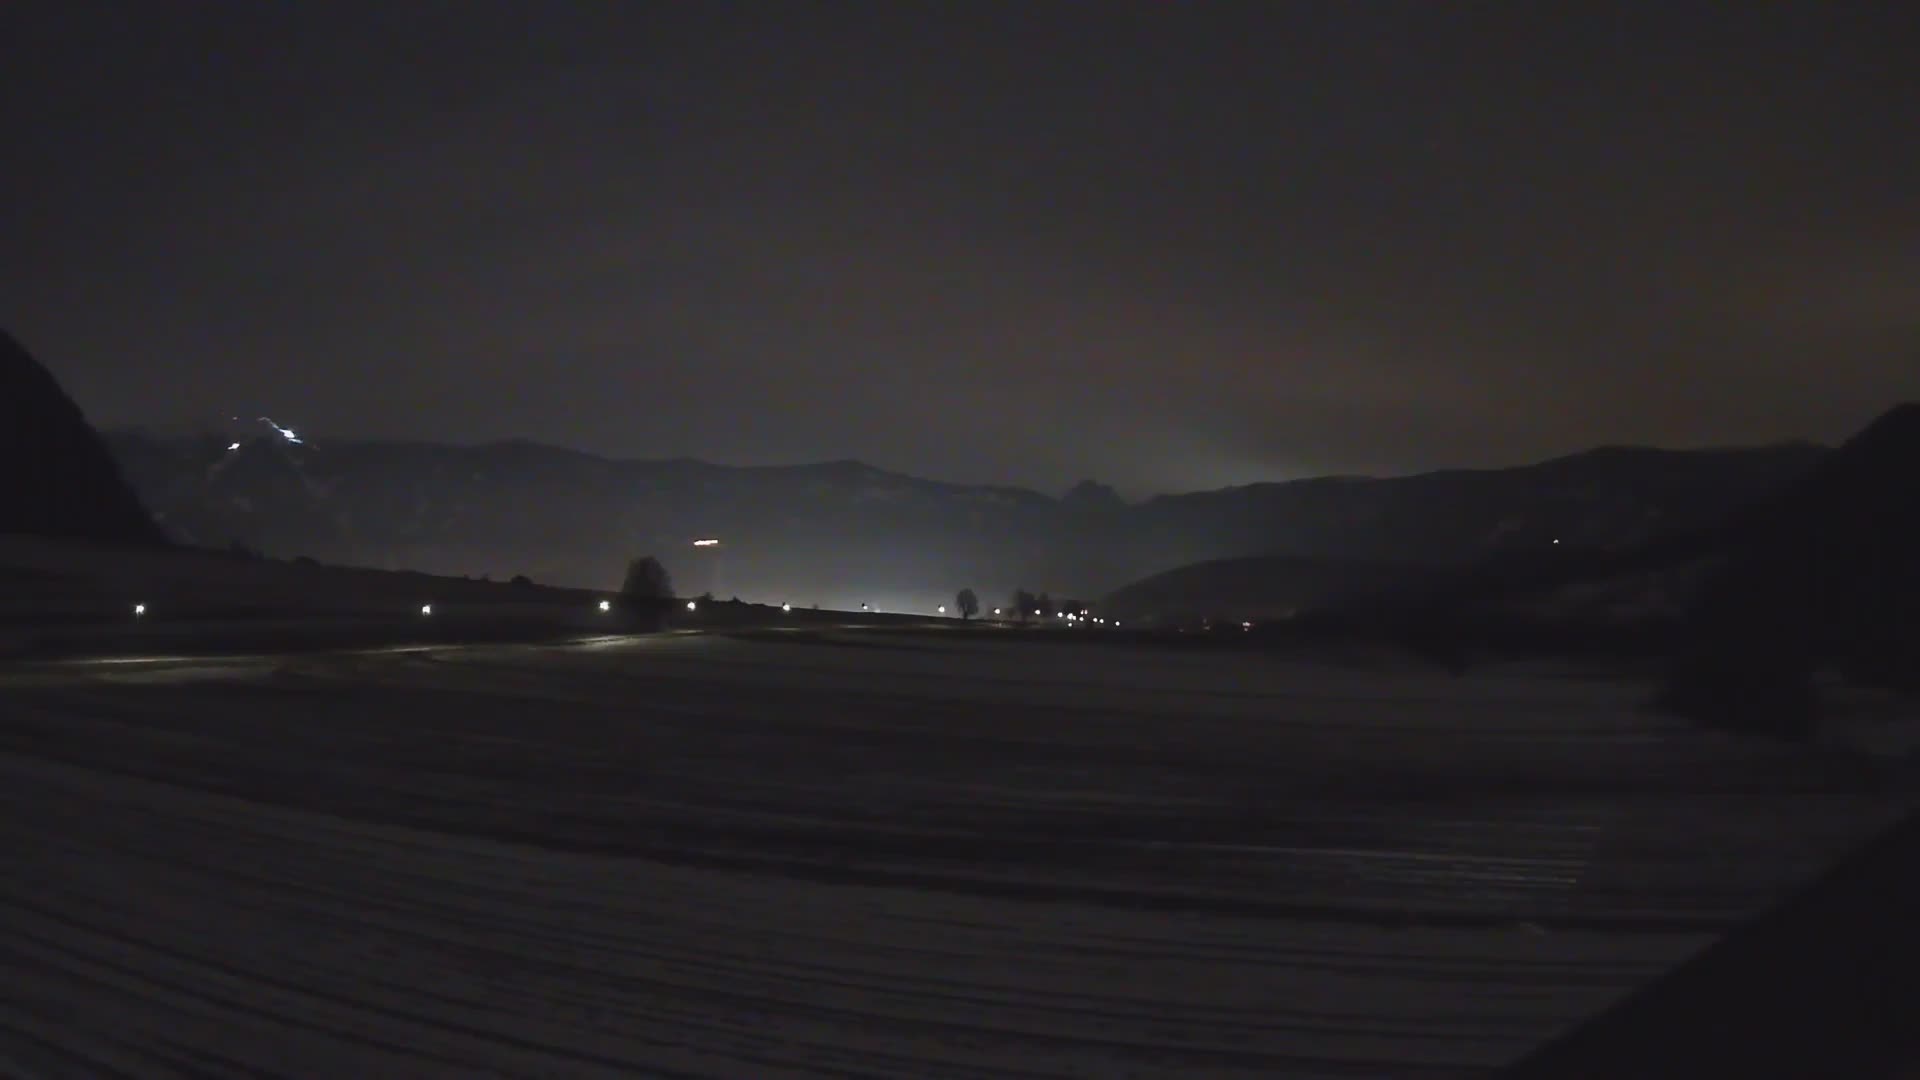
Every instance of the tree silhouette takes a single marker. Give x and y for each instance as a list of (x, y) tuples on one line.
[(968, 604), (646, 580), (1044, 605), (1024, 605)]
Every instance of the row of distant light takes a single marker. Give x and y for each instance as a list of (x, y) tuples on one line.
[(140, 610), (1069, 616)]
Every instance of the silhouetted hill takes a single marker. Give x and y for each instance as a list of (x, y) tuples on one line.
[(1262, 587), (56, 476), (841, 533), (1608, 498), (1491, 536), (1090, 497), (1826, 573)]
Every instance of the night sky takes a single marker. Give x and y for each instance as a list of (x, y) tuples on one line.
[(1165, 245)]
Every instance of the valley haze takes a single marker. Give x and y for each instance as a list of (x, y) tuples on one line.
[(844, 533)]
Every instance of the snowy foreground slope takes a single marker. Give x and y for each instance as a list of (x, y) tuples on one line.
[(810, 854)]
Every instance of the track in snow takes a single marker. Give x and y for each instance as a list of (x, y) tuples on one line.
[(705, 856)]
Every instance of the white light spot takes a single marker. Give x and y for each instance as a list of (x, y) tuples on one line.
[(232, 447), (426, 609), (942, 609), (285, 433), (691, 605), (606, 605), (706, 542), (139, 610), (786, 607)]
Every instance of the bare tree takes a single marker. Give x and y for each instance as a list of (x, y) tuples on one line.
[(968, 604)]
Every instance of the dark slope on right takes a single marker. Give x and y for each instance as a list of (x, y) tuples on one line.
[(1825, 575)]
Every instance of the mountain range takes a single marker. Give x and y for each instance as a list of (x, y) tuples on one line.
[(843, 533)]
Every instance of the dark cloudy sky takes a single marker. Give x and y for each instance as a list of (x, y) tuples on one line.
[(1168, 245)]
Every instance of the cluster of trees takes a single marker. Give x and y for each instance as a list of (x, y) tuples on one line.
[(1027, 606)]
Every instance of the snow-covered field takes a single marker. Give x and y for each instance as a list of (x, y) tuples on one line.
[(818, 854)]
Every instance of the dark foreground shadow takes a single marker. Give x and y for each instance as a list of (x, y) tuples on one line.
[(1825, 985)]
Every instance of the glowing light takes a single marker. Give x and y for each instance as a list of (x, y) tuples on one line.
[(285, 433), (426, 609), (1036, 613), (691, 605), (1246, 626), (996, 611), (706, 542), (232, 447), (786, 607), (942, 609), (139, 610), (606, 605)]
